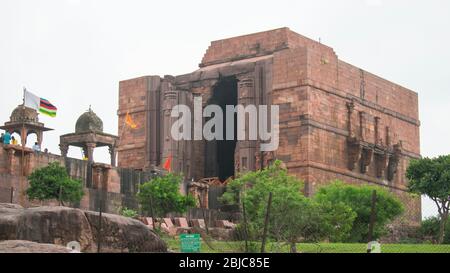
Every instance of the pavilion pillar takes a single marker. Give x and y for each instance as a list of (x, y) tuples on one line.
[(90, 151), (23, 136), (64, 148), (113, 153), (39, 138)]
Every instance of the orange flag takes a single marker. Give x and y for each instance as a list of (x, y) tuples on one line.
[(168, 163), (130, 122)]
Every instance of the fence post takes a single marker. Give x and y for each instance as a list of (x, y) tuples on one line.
[(60, 195), (203, 212), (99, 233), (266, 224), (12, 194), (151, 211), (372, 216), (245, 227)]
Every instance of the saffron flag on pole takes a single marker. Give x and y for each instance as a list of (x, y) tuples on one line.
[(130, 122), (168, 163), (39, 104)]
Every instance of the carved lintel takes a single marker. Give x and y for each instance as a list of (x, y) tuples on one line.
[(366, 159), (354, 152)]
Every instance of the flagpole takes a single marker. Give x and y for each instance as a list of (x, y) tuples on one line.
[(21, 197)]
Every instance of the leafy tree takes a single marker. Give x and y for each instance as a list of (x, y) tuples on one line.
[(293, 216), (359, 199), (430, 229), (163, 194), (53, 182), (431, 177)]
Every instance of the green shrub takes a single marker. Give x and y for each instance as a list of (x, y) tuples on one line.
[(429, 229), (359, 199), (128, 212), (53, 182), (162, 195)]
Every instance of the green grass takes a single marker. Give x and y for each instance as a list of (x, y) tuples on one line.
[(214, 246)]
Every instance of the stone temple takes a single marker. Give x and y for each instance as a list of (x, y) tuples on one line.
[(337, 121)]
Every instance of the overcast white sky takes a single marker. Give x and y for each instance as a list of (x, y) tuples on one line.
[(74, 52)]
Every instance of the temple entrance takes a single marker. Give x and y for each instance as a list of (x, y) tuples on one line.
[(220, 153)]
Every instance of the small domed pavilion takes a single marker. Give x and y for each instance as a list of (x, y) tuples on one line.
[(24, 121), (89, 135)]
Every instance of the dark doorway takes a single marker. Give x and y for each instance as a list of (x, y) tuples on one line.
[(220, 153)]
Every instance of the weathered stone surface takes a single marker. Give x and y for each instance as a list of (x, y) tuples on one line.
[(55, 225), (198, 223), (61, 225), (10, 206), (181, 222), (225, 224), (20, 246), (9, 221), (168, 222), (122, 234), (323, 102), (221, 234)]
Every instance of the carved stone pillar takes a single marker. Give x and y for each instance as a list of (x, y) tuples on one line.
[(39, 138), (23, 136), (350, 109), (388, 136), (64, 148), (169, 145), (113, 154), (394, 160), (377, 131), (90, 151), (362, 125), (246, 149)]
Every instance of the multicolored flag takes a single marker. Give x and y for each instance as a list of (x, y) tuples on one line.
[(39, 104)]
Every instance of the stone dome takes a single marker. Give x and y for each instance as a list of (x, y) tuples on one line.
[(89, 122), (24, 114)]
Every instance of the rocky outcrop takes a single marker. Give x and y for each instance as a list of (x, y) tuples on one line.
[(55, 225), (61, 225), (122, 234), (18, 246), (9, 221)]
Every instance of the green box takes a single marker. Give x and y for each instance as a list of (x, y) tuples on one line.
[(190, 243)]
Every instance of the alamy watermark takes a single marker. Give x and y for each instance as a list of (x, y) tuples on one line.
[(263, 125)]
